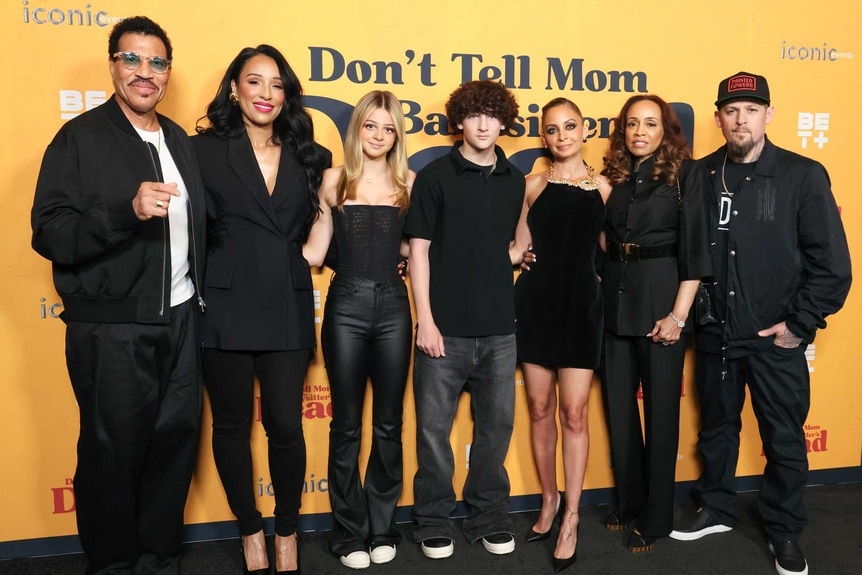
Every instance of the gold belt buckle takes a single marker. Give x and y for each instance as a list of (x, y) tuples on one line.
[(629, 252)]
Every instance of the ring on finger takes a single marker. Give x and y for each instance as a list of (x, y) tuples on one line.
[(665, 343), (160, 204)]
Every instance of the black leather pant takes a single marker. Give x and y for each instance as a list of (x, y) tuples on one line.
[(367, 332)]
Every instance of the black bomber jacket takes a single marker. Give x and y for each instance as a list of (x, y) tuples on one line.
[(108, 266)]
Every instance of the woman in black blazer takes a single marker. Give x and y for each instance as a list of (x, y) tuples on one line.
[(657, 249), (261, 170)]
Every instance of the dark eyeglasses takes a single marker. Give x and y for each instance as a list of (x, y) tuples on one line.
[(132, 61)]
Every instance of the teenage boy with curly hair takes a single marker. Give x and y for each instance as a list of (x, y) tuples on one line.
[(463, 214)]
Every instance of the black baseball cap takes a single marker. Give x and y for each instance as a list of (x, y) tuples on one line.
[(743, 85)]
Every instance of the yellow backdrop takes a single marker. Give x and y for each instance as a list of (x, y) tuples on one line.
[(55, 64)]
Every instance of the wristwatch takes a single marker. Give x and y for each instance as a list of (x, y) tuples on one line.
[(679, 323)]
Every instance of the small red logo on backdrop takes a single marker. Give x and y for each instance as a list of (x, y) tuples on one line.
[(815, 439), (746, 83), (64, 498)]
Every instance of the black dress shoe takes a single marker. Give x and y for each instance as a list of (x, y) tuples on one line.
[(640, 543)]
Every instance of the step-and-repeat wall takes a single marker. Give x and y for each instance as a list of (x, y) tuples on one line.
[(54, 61)]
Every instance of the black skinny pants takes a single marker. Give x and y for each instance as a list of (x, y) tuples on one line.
[(229, 379), (367, 332)]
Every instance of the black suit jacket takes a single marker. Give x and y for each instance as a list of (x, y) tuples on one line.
[(637, 294), (258, 285)]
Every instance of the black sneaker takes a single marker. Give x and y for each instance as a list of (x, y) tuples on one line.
[(438, 547), (703, 524), (499, 543), (789, 559)]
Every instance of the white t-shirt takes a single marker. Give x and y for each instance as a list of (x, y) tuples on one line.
[(182, 287)]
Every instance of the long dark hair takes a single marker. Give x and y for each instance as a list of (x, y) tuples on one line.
[(292, 127), (669, 156)]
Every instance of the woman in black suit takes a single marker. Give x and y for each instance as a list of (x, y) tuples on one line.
[(261, 171), (656, 229)]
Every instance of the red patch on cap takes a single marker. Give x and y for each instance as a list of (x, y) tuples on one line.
[(747, 83)]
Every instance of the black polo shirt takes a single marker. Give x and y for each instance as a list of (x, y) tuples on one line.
[(470, 217)]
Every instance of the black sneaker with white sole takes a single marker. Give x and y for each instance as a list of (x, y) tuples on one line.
[(438, 547), (789, 559), (499, 543), (703, 524)]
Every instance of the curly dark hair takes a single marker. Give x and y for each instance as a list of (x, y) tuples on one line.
[(669, 156), (292, 127), (137, 25), (481, 97)]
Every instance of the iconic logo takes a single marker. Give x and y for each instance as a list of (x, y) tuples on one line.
[(47, 310), (310, 485), (813, 125), (73, 102), (68, 17), (813, 53)]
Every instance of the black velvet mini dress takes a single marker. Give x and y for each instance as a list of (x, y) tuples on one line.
[(559, 301)]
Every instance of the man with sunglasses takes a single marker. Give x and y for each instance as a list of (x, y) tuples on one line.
[(119, 211)]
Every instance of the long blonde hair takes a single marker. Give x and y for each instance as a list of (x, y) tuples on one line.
[(354, 159)]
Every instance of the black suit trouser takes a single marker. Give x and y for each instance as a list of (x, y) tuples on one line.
[(644, 459), (138, 390)]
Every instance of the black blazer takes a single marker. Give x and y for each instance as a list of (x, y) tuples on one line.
[(258, 285), (640, 211)]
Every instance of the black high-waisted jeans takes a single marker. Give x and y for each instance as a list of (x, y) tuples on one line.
[(366, 332)]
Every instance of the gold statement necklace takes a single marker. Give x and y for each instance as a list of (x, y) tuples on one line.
[(587, 183)]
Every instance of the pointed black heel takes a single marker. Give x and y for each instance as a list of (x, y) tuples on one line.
[(564, 563), (533, 536)]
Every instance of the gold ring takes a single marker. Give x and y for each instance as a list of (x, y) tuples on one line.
[(159, 204)]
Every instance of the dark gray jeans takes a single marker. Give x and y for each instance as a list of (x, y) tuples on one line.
[(484, 366)]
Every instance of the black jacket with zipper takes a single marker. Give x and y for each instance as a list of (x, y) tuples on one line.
[(786, 258), (109, 266)]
